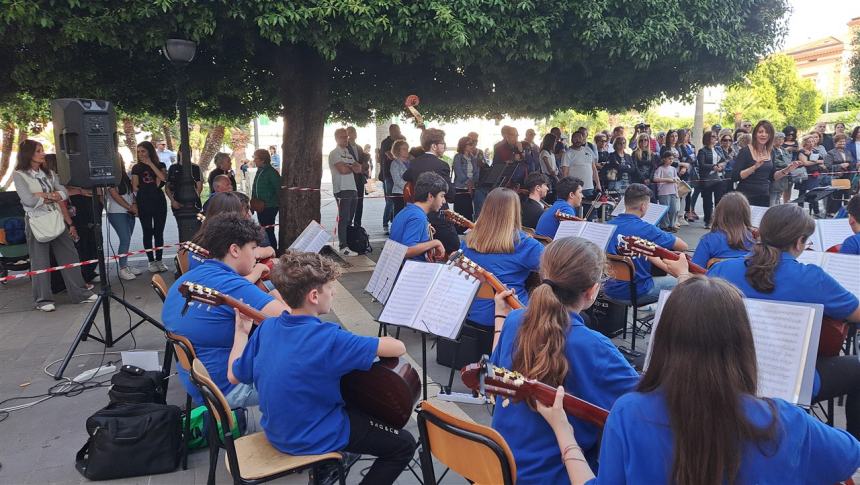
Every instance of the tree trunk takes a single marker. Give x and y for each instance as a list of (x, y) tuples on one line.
[(305, 96), (6, 153), (128, 132), (165, 128), (212, 145), (22, 134), (239, 139)]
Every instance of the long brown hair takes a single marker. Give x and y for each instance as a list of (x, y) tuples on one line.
[(703, 361), (768, 147), (779, 231), (26, 151), (732, 217), (569, 266), (221, 203), (497, 228)]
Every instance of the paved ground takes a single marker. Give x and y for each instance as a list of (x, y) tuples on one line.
[(39, 443)]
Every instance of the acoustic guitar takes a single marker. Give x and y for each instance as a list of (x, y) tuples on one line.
[(387, 392), (487, 379), (457, 219), (564, 216), (636, 246), (466, 265), (203, 253)]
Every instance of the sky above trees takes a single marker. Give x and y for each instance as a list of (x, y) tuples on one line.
[(813, 19)]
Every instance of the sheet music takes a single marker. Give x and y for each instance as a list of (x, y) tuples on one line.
[(832, 232), (409, 293), (811, 257), (598, 233), (448, 302), (385, 273), (756, 213), (844, 268), (652, 216), (570, 229), (781, 333), (312, 239)]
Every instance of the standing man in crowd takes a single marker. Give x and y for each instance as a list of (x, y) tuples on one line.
[(361, 175), (384, 159), (223, 166), (165, 156), (343, 167)]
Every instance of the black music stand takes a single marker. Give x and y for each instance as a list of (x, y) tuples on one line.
[(500, 174), (814, 196)]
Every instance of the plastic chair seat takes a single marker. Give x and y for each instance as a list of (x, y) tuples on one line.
[(259, 459)]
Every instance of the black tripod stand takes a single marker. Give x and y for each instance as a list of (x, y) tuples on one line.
[(105, 295)]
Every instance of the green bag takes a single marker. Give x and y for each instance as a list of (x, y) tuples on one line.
[(200, 425)]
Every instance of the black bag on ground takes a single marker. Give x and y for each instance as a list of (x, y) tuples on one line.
[(357, 240), (129, 440), (135, 385)]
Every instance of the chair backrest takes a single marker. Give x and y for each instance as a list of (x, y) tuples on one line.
[(712, 262), (478, 453), (841, 184), (620, 267), (160, 287), (182, 261), (212, 396), (183, 349)]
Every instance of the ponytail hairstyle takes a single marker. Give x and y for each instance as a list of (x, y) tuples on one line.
[(703, 362), (779, 231), (569, 266), (732, 218)]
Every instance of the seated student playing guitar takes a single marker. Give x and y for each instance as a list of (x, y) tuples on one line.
[(852, 243), (637, 197), (296, 362), (695, 417), (411, 227), (568, 193), (231, 240), (549, 342), (772, 272), (731, 234)]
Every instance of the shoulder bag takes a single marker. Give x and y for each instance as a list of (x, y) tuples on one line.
[(45, 226)]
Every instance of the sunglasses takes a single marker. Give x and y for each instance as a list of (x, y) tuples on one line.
[(726, 139)]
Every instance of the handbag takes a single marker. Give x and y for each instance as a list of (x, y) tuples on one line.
[(130, 440), (799, 175), (683, 188), (46, 226)]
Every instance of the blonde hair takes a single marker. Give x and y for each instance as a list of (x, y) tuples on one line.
[(497, 229)]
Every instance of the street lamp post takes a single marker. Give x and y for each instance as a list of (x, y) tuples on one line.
[(180, 52)]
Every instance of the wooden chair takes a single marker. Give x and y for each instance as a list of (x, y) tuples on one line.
[(477, 452), (252, 459), (712, 262), (185, 355), (181, 260), (159, 286), (621, 268)]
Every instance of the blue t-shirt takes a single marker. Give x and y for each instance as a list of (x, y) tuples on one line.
[(637, 445), (296, 362), (851, 245), (409, 228), (547, 224), (598, 373), (631, 225), (210, 329), (512, 269), (194, 260), (715, 244), (795, 282)]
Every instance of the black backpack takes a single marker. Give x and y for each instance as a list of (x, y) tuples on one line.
[(357, 240), (135, 385)]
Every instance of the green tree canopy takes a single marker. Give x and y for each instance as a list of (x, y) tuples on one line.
[(775, 92), (311, 60)]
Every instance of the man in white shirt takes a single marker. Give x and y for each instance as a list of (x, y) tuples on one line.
[(165, 156), (343, 168), (581, 163)]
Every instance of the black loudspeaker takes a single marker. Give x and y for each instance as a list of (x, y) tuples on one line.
[(85, 133)]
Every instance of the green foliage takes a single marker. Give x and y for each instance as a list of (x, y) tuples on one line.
[(774, 91), (845, 103), (570, 120)]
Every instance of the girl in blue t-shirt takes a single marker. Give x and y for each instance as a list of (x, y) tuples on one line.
[(731, 232), (851, 245), (550, 342), (695, 417)]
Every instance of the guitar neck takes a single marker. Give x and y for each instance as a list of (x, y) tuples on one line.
[(497, 285), (573, 405), (244, 309), (562, 216), (667, 254)]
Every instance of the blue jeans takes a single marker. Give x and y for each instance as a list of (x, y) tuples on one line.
[(478, 199), (388, 212), (668, 219), (123, 224)]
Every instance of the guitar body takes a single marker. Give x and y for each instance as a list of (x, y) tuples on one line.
[(833, 334), (387, 392), (409, 192)]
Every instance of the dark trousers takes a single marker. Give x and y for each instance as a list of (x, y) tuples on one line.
[(445, 231), (152, 223), (267, 218), (83, 221), (359, 206), (710, 198), (346, 202), (392, 448), (388, 212), (761, 200), (463, 206), (841, 376), (397, 204)]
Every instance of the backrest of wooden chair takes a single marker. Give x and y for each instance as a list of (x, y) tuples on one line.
[(712, 262), (213, 397), (183, 349), (619, 267), (182, 261), (841, 184), (160, 287), (478, 453)]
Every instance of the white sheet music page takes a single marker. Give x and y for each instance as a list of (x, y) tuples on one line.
[(599, 234), (570, 229), (446, 306), (619, 208), (385, 273), (756, 213), (409, 293), (832, 232), (312, 239), (781, 333), (811, 257), (652, 216), (844, 268)]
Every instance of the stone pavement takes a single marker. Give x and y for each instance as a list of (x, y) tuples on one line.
[(39, 442)]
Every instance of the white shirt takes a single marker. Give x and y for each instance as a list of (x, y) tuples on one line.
[(580, 162), (341, 181), (166, 157)]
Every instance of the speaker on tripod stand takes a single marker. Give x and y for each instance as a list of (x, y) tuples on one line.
[(86, 139)]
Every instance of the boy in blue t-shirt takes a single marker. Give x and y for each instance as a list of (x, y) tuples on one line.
[(851, 245), (232, 269), (296, 362), (411, 227), (637, 197), (568, 200)]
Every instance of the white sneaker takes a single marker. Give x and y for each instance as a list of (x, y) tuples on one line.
[(91, 299), (126, 274), (153, 267), (347, 252), (162, 266), (96, 279), (46, 307), (134, 271)]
